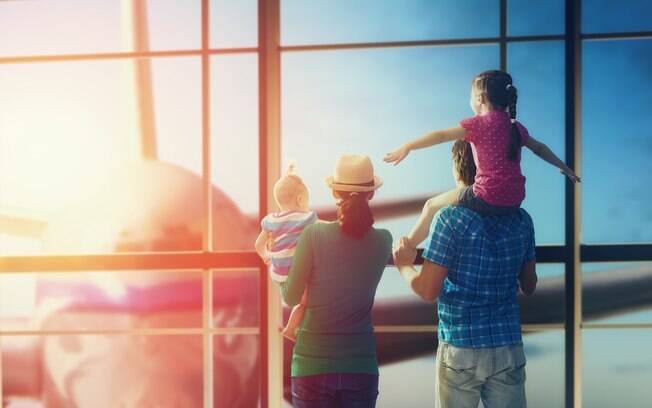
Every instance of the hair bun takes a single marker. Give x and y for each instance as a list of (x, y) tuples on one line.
[(292, 168)]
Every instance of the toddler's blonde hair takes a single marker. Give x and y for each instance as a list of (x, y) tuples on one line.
[(288, 187)]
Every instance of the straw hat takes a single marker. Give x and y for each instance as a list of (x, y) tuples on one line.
[(354, 173)]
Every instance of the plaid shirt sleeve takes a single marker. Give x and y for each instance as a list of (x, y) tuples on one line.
[(441, 246)]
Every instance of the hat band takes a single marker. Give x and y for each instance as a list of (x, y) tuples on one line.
[(368, 184)]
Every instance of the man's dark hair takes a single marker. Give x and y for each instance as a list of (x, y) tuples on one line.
[(463, 162)]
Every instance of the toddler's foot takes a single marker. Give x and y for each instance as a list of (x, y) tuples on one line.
[(290, 334)]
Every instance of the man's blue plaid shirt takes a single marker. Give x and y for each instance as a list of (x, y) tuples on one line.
[(484, 255)]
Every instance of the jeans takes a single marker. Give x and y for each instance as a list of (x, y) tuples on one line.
[(345, 390), (465, 375)]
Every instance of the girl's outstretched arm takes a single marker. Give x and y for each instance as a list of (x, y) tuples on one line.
[(422, 227), (544, 152), (430, 139)]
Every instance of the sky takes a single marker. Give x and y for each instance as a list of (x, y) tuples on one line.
[(64, 124)]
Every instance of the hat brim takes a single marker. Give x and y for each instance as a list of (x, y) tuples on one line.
[(330, 183)]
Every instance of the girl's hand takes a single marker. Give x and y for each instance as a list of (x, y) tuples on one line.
[(571, 175), (397, 155), (404, 254)]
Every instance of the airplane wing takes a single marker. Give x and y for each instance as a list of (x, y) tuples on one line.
[(20, 224), (384, 209)]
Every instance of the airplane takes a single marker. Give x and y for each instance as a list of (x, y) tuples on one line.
[(150, 205)]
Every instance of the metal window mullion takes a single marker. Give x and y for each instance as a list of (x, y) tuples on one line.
[(35, 59), (207, 236), (614, 326), (269, 83), (573, 277), (152, 262), (633, 35), (503, 35), (175, 331)]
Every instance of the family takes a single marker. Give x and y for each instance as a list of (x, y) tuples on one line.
[(478, 252)]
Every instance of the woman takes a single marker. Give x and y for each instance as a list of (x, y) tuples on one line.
[(340, 264)]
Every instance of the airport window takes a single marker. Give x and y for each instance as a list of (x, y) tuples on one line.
[(623, 16), (234, 23), (538, 68), (627, 372), (369, 21), (614, 278), (617, 142), (139, 143), (532, 17)]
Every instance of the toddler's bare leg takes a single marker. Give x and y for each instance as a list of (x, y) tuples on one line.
[(422, 227), (296, 317)]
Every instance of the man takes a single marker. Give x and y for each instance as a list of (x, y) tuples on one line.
[(474, 266)]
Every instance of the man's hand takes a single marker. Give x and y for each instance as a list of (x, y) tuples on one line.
[(404, 254), (397, 155)]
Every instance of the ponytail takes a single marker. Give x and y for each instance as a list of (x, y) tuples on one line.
[(354, 214), (515, 144), (497, 85)]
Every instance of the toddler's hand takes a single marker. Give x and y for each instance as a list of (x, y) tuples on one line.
[(397, 155), (571, 175)]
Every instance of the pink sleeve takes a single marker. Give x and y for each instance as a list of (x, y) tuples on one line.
[(472, 126), (522, 130)]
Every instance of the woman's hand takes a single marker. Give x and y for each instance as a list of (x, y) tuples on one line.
[(397, 155), (404, 254)]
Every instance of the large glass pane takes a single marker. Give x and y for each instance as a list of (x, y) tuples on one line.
[(234, 23), (235, 298), (538, 73), (616, 95), (369, 102), (535, 17), (236, 368), (341, 21), (234, 133), (616, 15), (98, 157), (617, 292), (44, 27), (616, 379), (103, 300), (172, 24), (102, 371), (64, 26), (544, 354)]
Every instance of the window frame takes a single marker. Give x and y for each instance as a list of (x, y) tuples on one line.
[(572, 253)]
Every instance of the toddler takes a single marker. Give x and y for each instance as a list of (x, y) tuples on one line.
[(280, 232)]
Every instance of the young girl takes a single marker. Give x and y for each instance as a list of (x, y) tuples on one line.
[(280, 232), (496, 140)]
